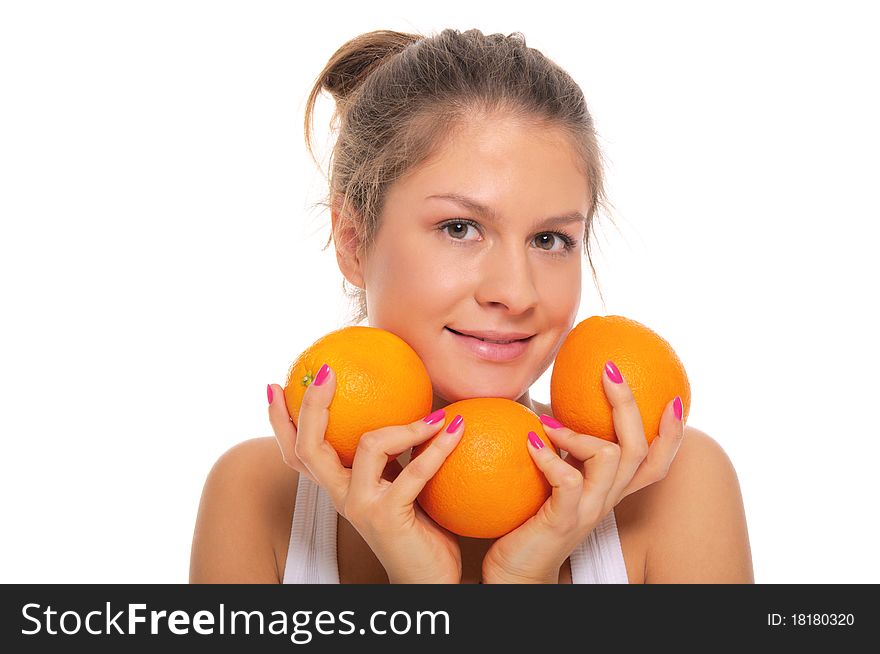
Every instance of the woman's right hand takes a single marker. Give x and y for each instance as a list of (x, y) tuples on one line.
[(409, 544)]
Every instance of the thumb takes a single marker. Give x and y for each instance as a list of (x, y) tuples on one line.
[(415, 434), (320, 387), (313, 416)]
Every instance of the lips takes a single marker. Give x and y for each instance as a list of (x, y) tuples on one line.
[(494, 337), (488, 351)]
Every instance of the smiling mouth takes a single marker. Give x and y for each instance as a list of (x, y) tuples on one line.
[(485, 340)]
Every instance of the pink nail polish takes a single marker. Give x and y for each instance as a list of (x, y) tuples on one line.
[(550, 421), (435, 417), (535, 440), (322, 375), (613, 373), (676, 404), (454, 424), (269, 393)]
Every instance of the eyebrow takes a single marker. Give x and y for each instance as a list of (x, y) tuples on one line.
[(490, 215)]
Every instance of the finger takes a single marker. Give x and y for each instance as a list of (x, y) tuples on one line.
[(601, 472), (421, 468), (628, 426), (311, 446), (662, 451), (376, 447), (599, 459), (567, 482), (285, 430), (578, 447)]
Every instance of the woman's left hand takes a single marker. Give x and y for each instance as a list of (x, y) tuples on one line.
[(588, 483)]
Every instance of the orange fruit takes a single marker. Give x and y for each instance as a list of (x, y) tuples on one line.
[(647, 362), (380, 381), (488, 485)]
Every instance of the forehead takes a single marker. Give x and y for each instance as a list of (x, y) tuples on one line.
[(503, 136), (495, 157)]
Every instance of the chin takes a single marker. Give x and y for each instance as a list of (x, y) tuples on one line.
[(460, 393)]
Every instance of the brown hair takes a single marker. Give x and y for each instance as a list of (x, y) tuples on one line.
[(400, 95)]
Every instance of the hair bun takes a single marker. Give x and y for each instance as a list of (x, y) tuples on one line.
[(353, 62)]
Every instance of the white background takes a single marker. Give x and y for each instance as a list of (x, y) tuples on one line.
[(161, 260)]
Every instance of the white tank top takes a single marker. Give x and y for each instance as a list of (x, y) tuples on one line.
[(311, 555)]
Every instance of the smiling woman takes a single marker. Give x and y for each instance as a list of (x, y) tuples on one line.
[(466, 269), (465, 175)]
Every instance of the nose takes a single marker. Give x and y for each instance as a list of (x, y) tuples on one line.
[(506, 277)]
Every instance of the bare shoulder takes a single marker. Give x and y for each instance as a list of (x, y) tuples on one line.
[(695, 519), (244, 514)]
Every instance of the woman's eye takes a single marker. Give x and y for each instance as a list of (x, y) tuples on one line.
[(458, 229), (548, 238)]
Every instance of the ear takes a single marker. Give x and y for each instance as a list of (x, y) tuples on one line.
[(346, 243)]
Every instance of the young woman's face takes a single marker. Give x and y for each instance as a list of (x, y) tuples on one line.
[(431, 272)]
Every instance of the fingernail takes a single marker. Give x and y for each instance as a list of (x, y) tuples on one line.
[(613, 373), (550, 421), (269, 393), (535, 441), (676, 404), (454, 424), (435, 417), (322, 375)]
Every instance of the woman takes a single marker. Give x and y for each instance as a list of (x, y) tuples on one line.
[(464, 182)]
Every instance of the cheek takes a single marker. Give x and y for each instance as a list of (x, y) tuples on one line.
[(421, 273), (411, 282), (561, 295)]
